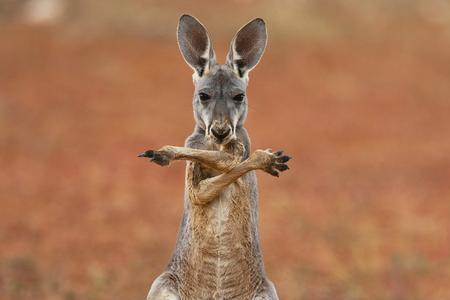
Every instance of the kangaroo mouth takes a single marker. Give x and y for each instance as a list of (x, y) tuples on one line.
[(221, 135)]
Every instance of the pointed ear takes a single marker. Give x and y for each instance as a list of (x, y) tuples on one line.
[(195, 44), (247, 47)]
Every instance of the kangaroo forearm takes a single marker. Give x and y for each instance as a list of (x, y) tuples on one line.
[(209, 189), (217, 160), (204, 191)]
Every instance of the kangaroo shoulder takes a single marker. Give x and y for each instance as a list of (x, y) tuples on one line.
[(195, 141)]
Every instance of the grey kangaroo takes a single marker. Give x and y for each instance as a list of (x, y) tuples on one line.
[(217, 254)]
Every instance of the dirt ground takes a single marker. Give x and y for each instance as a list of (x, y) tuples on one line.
[(364, 212)]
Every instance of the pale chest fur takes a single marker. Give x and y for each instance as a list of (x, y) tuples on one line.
[(219, 262)]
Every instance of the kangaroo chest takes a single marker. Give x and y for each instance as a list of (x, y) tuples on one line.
[(221, 261)]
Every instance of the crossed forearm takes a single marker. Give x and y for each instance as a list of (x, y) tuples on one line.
[(208, 189), (217, 160)]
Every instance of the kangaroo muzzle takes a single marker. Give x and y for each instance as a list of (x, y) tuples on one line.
[(221, 131)]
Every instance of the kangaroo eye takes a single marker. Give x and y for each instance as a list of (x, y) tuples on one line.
[(239, 97), (204, 96)]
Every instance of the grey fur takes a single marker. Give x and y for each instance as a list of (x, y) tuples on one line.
[(217, 255)]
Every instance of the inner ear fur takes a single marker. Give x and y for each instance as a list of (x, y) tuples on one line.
[(247, 47), (195, 44)]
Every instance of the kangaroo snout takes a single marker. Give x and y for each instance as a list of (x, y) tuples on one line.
[(221, 131)]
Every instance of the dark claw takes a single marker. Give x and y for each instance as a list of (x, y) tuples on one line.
[(148, 153), (273, 172), (283, 159), (281, 167)]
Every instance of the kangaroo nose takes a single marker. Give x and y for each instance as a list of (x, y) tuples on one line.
[(220, 133)]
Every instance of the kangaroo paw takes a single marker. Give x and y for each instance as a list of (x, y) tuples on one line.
[(161, 157), (277, 163), (271, 162)]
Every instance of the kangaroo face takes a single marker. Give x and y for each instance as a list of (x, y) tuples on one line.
[(220, 101)]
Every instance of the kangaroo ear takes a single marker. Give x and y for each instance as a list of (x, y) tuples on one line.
[(195, 44), (247, 47)]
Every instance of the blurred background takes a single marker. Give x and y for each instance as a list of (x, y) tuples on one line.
[(358, 92)]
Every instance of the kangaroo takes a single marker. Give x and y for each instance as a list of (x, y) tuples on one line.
[(217, 254)]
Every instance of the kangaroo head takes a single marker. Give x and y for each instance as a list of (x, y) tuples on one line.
[(220, 99)]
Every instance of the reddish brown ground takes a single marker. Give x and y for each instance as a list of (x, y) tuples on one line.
[(364, 212)]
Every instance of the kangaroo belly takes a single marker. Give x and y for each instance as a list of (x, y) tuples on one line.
[(221, 261)]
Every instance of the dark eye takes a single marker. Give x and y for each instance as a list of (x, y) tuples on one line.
[(204, 97), (239, 97)]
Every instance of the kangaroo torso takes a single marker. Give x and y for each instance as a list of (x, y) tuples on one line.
[(217, 254)]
